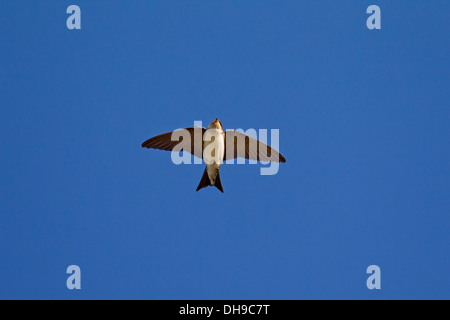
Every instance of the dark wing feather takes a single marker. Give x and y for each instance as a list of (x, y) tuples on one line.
[(240, 145), (166, 142)]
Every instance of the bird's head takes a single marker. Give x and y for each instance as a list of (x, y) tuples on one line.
[(216, 124)]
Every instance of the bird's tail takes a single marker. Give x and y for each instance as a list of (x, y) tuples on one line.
[(204, 182), (218, 183)]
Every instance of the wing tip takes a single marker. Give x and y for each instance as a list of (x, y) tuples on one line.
[(146, 145)]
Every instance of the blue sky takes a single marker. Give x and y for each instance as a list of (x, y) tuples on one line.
[(364, 125)]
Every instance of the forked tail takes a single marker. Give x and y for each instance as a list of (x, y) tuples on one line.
[(205, 182)]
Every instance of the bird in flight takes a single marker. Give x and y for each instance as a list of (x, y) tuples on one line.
[(214, 146)]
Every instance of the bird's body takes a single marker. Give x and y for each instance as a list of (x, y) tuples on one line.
[(214, 158), (214, 146)]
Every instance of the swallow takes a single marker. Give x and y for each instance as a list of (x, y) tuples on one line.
[(214, 146)]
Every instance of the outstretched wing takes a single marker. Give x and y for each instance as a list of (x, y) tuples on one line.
[(240, 145), (168, 141)]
